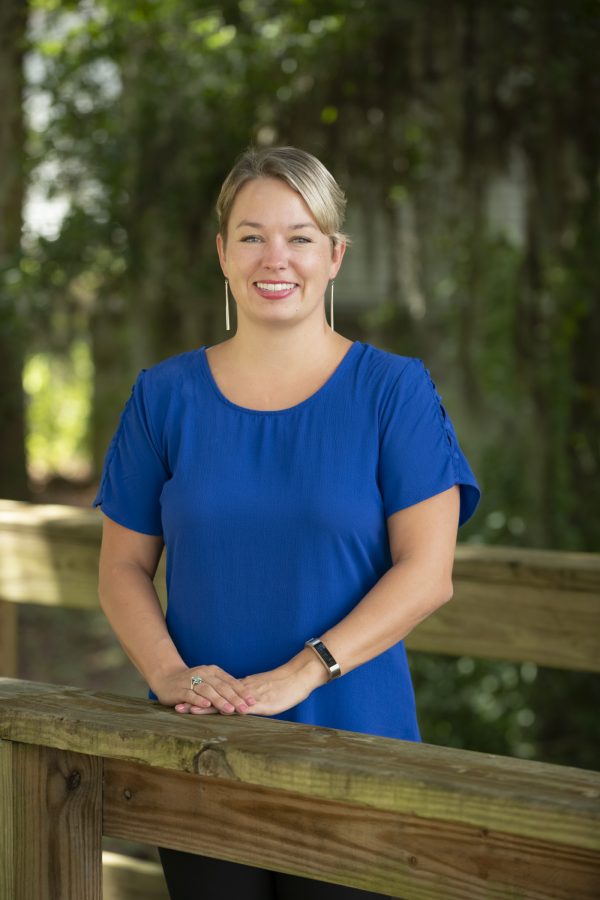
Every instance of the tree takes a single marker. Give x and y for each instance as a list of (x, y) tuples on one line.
[(420, 109), (13, 478)]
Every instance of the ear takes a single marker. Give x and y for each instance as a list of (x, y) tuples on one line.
[(337, 256), (221, 252)]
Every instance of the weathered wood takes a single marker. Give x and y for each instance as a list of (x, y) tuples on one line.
[(7, 828), (529, 799), (397, 854), (404, 819), (549, 627), (51, 824), (8, 639), (509, 603), (49, 555)]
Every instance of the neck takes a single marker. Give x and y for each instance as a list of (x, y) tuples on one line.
[(281, 349)]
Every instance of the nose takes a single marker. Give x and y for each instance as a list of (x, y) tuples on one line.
[(275, 254)]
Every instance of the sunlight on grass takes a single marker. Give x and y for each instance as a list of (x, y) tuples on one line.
[(58, 393)]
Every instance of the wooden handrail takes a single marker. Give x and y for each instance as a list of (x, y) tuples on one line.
[(515, 604), (399, 818)]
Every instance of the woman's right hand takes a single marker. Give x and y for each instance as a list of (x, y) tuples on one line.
[(219, 692)]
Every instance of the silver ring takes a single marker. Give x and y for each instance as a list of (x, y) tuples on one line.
[(196, 680)]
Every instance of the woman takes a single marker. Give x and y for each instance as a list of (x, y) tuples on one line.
[(306, 487)]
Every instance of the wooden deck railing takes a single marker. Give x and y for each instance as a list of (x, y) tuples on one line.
[(398, 818), (407, 820), (540, 606)]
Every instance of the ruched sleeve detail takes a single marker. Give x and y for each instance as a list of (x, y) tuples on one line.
[(419, 452), (134, 472)]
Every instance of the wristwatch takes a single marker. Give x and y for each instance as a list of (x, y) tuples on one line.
[(325, 656)]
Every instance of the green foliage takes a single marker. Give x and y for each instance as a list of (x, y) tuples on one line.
[(141, 108), (476, 704), (508, 708), (58, 391)]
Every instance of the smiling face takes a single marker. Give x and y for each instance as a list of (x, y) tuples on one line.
[(276, 259)]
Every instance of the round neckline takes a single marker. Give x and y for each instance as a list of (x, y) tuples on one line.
[(275, 412)]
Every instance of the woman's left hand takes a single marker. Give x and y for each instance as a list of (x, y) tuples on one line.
[(279, 689), (282, 688)]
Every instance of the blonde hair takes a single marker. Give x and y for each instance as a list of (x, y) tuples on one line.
[(303, 172)]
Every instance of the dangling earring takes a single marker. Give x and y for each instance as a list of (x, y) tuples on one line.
[(331, 307), (227, 305)]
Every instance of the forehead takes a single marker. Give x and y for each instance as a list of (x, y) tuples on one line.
[(269, 200)]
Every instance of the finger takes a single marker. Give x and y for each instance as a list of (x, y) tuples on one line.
[(242, 693), (221, 690), (218, 697), (183, 708), (199, 699), (229, 690)]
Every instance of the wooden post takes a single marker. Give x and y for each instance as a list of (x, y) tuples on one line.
[(8, 639), (396, 817), (50, 824)]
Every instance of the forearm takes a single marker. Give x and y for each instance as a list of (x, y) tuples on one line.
[(404, 596), (131, 605)]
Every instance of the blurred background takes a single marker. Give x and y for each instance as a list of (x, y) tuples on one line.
[(466, 136)]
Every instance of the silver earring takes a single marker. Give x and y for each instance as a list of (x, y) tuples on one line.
[(227, 305), (331, 307)]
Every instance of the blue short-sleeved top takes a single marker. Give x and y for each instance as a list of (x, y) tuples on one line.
[(274, 522)]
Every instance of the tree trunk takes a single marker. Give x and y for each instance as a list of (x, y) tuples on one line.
[(13, 473)]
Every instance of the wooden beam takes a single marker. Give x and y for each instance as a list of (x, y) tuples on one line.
[(509, 603), (529, 799), (51, 835), (398, 854), (8, 639), (49, 555), (557, 628)]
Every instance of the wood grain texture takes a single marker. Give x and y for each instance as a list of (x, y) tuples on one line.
[(515, 622), (543, 569), (509, 603), (7, 825), (553, 803), (8, 639), (49, 555), (52, 824), (395, 854)]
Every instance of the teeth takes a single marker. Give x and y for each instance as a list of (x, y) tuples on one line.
[(280, 286)]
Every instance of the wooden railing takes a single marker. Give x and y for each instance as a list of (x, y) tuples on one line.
[(540, 606), (398, 818), (407, 820)]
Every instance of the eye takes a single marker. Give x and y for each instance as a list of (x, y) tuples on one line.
[(251, 239), (300, 239)]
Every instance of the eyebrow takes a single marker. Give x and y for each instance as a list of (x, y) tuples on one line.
[(245, 223)]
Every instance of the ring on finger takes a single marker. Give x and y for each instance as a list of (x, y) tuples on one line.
[(195, 680)]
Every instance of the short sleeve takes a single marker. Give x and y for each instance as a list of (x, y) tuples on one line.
[(419, 452), (134, 472)]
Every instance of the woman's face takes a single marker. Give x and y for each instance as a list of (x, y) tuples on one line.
[(277, 261)]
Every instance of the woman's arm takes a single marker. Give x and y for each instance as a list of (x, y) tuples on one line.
[(128, 562), (422, 543)]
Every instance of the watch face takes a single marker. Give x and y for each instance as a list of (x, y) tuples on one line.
[(325, 656), (324, 653)]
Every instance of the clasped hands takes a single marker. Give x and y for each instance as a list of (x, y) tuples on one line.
[(263, 694)]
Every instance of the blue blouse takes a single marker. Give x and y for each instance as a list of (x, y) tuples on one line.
[(274, 522)]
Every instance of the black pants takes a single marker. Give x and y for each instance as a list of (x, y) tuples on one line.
[(192, 877)]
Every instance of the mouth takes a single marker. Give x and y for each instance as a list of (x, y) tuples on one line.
[(275, 290)]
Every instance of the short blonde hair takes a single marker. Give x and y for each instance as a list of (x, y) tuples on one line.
[(303, 172)]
